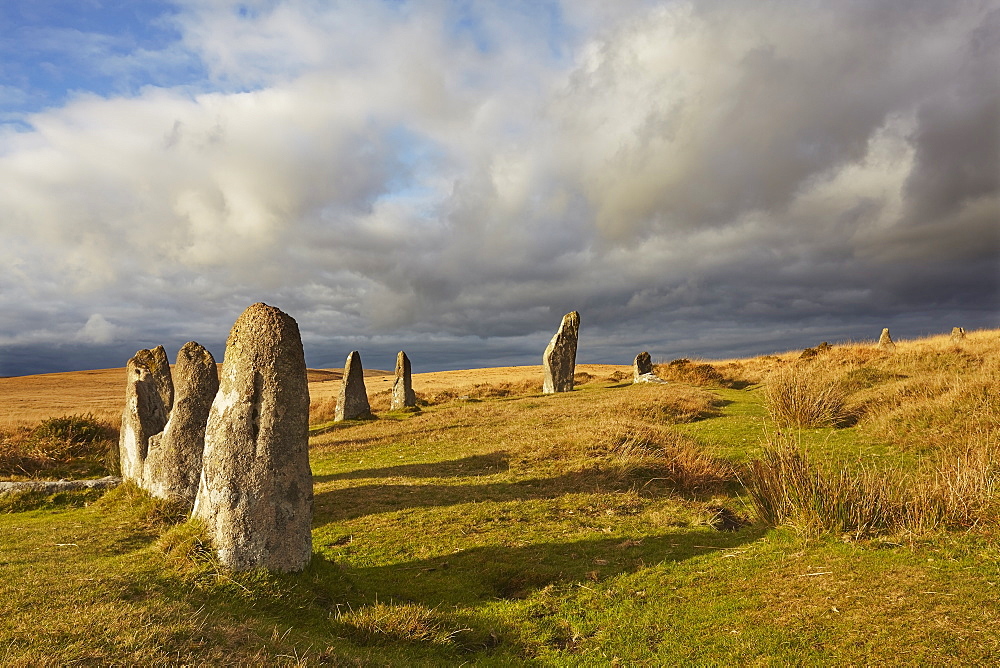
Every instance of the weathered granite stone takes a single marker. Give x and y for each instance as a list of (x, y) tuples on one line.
[(642, 365), (255, 495), (352, 402), (173, 464), (957, 333), (559, 360), (885, 341), (145, 413), (402, 387), (156, 361)]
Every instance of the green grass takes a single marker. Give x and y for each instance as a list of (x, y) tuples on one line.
[(575, 529)]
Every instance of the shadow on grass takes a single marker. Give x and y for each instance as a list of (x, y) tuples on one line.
[(352, 502), (483, 574), (450, 588), (496, 462)]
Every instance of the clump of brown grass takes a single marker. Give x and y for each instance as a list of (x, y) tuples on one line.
[(67, 446), (956, 491), (703, 374), (634, 448), (322, 410), (795, 397), (786, 487), (671, 404)]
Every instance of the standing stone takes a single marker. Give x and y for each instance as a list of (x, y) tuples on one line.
[(352, 402), (156, 361), (957, 333), (255, 495), (173, 465), (145, 413), (559, 360), (642, 365), (402, 387), (885, 341)]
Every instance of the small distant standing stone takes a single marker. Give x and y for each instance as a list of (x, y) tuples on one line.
[(559, 360), (957, 333), (173, 465), (145, 413), (352, 402), (642, 365), (885, 341), (402, 387), (256, 491)]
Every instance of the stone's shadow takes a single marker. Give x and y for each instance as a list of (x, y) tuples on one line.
[(482, 574), (496, 462), (354, 441), (348, 503)]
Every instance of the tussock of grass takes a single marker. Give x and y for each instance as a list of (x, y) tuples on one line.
[(72, 446), (796, 398), (956, 491)]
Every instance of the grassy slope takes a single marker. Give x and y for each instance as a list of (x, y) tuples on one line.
[(569, 529)]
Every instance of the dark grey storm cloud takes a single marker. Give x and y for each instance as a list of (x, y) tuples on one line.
[(696, 178)]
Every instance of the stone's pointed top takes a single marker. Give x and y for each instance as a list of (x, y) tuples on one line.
[(352, 402), (885, 341), (402, 387), (559, 359), (145, 412), (155, 360), (642, 365)]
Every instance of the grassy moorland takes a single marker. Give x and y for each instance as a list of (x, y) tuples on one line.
[(837, 507)]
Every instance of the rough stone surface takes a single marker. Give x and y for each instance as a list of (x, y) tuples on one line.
[(156, 361), (255, 495), (885, 341), (559, 360), (173, 464), (642, 365), (145, 413), (957, 333), (648, 378), (56, 486), (352, 402), (402, 387)]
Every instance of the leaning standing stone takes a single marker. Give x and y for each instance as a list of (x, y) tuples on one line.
[(885, 341), (957, 333), (256, 494), (145, 414), (402, 387), (352, 402), (642, 365), (173, 465), (559, 360)]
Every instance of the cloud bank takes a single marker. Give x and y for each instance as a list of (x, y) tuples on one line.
[(697, 178)]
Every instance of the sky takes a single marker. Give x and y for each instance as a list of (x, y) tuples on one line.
[(712, 178)]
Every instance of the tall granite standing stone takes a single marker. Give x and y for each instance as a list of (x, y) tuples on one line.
[(145, 413), (559, 360), (173, 464), (957, 333), (885, 341), (156, 361), (352, 402), (642, 365), (402, 387), (255, 495)]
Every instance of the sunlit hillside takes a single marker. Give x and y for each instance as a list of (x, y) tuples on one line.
[(837, 505)]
